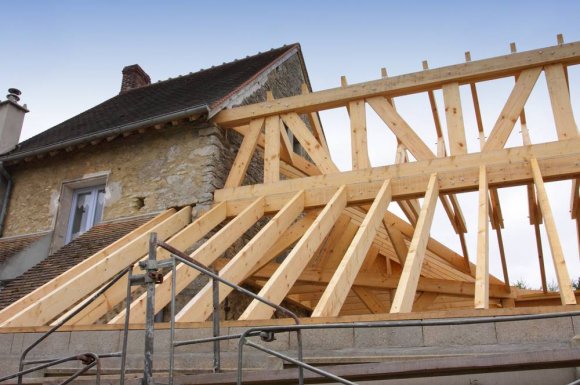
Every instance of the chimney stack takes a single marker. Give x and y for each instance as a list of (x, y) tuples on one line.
[(134, 77), (11, 119)]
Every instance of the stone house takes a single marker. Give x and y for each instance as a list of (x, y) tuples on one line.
[(80, 185)]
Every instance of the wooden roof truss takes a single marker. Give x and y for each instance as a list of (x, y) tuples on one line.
[(330, 244)]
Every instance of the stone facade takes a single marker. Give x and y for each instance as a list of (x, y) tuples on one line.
[(145, 173)]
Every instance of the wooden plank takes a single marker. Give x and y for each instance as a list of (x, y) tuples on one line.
[(482, 270), (560, 99), (286, 275), (400, 128), (244, 155), (566, 291), (315, 122), (242, 264), (207, 253), (335, 293), (404, 297), (396, 238), (370, 300), (512, 109), (465, 73), (339, 248), (318, 154), (424, 300), (291, 164), (53, 284), (330, 242), (272, 150), (506, 167), (358, 135), (181, 241), (82, 284), (454, 116)]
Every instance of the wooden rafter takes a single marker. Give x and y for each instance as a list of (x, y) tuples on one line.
[(342, 280), (287, 274), (404, 297), (200, 307)]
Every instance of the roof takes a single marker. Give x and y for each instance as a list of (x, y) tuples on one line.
[(13, 245), (97, 238), (210, 87)]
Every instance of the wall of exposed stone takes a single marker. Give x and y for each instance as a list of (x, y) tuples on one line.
[(174, 166)]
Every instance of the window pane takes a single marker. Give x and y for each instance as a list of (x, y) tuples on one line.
[(99, 206), (80, 214)]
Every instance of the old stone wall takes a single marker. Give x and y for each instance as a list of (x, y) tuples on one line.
[(145, 173)]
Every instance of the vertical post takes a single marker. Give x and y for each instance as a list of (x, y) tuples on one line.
[(126, 327), (172, 321), (150, 312), (216, 325)]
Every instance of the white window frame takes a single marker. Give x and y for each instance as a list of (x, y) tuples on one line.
[(94, 190)]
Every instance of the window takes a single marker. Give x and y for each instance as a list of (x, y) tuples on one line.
[(86, 210)]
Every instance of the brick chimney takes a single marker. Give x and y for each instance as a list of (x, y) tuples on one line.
[(11, 119), (134, 77)]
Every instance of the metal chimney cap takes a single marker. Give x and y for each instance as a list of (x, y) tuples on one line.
[(13, 95)]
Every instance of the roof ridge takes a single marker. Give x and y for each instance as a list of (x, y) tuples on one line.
[(213, 67)]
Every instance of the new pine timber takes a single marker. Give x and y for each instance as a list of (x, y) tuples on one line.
[(51, 285), (560, 99), (286, 275), (482, 270), (238, 268), (244, 155), (512, 110), (505, 167), (69, 293), (564, 283), (206, 254), (465, 73), (405, 295), (339, 286), (272, 150), (181, 241)]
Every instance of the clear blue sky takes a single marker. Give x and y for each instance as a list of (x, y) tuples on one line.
[(67, 56)]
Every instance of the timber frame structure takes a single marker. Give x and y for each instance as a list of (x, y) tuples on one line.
[(345, 252)]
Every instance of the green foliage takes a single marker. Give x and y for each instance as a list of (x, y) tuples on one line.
[(522, 284)]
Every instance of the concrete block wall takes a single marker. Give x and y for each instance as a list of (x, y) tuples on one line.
[(330, 346)]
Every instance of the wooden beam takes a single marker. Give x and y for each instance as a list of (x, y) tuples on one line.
[(181, 241), (454, 115), (244, 155), (560, 99), (371, 301), (243, 263), (566, 291), (75, 289), (512, 109), (424, 300), (318, 154), (380, 280), (286, 275), (358, 132), (507, 167), (207, 253), (39, 293), (482, 271), (400, 128), (405, 295), (315, 122), (335, 293), (465, 73), (272, 150)]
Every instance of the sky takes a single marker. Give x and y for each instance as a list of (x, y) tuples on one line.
[(67, 56)]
